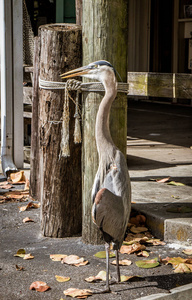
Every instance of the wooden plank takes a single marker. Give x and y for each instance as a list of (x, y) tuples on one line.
[(183, 86), (27, 114), (27, 95), (28, 69), (165, 85)]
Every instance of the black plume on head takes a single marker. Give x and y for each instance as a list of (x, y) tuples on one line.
[(104, 63)]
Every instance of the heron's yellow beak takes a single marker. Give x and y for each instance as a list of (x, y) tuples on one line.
[(76, 72)]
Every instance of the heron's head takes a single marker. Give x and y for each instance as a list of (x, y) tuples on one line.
[(98, 70)]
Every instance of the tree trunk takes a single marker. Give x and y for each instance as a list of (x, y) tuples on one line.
[(34, 172), (104, 37), (60, 177)]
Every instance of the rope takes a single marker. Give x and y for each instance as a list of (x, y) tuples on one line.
[(81, 86), (74, 85)]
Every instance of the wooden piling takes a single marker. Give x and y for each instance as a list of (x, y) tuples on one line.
[(104, 37), (59, 177)]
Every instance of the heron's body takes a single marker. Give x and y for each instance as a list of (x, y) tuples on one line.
[(111, 193)]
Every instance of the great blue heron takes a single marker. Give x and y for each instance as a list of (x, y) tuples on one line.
[(111, 192)]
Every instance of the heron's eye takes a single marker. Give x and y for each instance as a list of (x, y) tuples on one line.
[(94, 66)]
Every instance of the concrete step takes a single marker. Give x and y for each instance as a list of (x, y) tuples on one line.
[(168, 226)]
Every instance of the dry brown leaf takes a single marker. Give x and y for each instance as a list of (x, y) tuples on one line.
[(29, 205), (27, 219), (57, 257), (183, 268), (19, 268), (17, 177), (28, 256), (163, 180), (187, 251), (39, 286), (26, 188), (141, 219), (14, 195), (100, 276), (76, 293), (124, 262), (132, 248), (6, 186), (135, 229), (155, 242), (136, 240), (143, 253), (74, 260)]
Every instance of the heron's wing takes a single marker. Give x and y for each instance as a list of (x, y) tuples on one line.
[(117, 178), (109, 216)]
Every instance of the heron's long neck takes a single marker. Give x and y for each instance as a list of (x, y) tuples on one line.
[(102, 132)]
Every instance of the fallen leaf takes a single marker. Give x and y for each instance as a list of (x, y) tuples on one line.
[(143, 253), (136, 240), (39, 286), (175, 197), (141, 219), (17, 177), (62, 278), (163, 180), (29, 205), (125, 278), (5, 185), (124, 262), (176, 183), (183, 268), (132, 248), (19, 268), (147, 264), (27, 219), (20, 253), (187, 251), (73, 292), (155, 242), (74, 260), (138, 229), (100, 276), (176, 260), (28, 256), (57, 257), (26, 188), (180, 209), (102, 254), (14, 195)]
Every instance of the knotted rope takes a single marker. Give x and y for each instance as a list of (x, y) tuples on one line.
[(78, 86)]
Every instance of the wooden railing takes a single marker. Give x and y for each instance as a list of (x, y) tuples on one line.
[(169, 85)]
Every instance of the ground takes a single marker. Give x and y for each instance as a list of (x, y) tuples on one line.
[(159, 140)]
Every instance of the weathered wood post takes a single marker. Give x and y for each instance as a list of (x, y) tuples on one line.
[(60, 177), (35, 141), (104, 37)]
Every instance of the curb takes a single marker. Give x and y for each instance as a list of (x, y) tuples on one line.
[(180, 293)]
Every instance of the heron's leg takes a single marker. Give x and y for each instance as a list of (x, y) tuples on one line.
[(107, 288), (107, 248), (118, 269)]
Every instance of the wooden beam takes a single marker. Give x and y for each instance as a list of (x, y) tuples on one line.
[(27, 95), (168, 85)]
